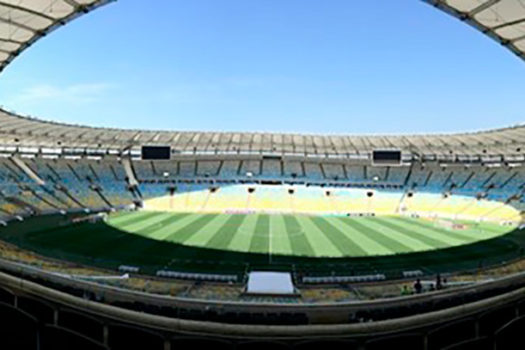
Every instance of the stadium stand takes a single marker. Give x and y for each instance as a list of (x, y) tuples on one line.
[(328, 200), (97, 184), (72, 327)]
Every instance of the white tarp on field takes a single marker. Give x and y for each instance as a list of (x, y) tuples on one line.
[(270, 283)]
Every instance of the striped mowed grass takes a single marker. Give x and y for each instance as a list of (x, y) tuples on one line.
[(301, 235)]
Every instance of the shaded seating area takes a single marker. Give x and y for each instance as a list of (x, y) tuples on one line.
[(6, 297), (510, 335), (397, 341), (58, 338), (492, 320), (327, 344), (263, 345), (122, 337), (200, 343), (483, 343), (83, 324), (451, 333), (44, 312), (19, 329)]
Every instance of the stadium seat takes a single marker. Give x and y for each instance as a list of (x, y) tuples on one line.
[(492, 320), (6, 297), (327, 344), (200, 343), (19, 329), (44, 312), (58, 338), (398, 341), (521, 308), (82, 323), (484, 343), (511, 334), (451, 333), (122, 337), (263, 345)]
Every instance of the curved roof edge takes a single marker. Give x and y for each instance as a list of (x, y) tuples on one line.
[(501, 20), (24, 22)]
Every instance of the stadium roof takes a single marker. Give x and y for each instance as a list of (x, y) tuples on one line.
[(502, 20), (22, 22), (33, 132)]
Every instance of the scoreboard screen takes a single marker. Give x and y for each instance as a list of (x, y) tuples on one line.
[(386, 157), (156, 152)]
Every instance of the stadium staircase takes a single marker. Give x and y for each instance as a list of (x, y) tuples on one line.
[(130, 173), (27, 170)]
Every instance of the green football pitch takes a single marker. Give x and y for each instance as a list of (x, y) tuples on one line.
[(236, 243), (310, 236)]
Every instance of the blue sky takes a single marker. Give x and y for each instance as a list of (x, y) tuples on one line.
[(311, 66)]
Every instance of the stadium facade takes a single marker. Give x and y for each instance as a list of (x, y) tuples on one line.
[(105, 247)]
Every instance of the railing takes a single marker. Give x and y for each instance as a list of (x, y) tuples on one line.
[(335, 313), (22, 286)]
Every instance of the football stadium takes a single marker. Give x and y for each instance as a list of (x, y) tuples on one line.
[(112, 238)]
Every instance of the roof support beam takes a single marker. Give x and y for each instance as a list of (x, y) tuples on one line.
[(78, 7), (508, 24), (29, 11), (520, 38), (482, 7), (10, 41), (470, 18), (19, 25)]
